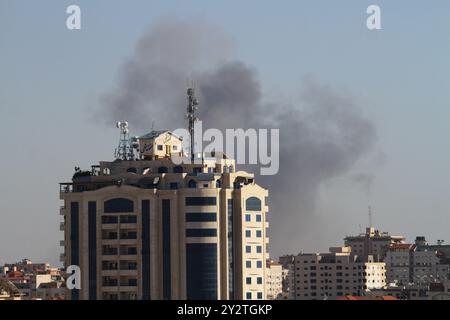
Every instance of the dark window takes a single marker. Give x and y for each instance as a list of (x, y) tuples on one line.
[(163, 170), (92, 221), (192, 184), (173, 185), (200, 201), (74, 241), (178, 169), (253, 204), (167, 283), (201, 232), (201, 271), (128, 219), (118, 205), (160, 147), (110, 219), (218, 184), (146, 249), (132, 170), (230, 249), (200, 216), (197, 169)]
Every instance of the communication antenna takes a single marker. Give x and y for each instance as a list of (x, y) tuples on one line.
[(370, 217), (125, 148), (191, 108)]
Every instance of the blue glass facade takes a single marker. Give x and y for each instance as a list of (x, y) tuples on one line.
[(74, 242), (146, 249), (167, 283), (230, 249), (92, 227), (201, 271)]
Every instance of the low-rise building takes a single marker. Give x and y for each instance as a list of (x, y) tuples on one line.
[(334, 274), (274, 280)]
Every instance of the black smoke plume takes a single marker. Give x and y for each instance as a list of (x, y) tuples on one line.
[(321, 137)]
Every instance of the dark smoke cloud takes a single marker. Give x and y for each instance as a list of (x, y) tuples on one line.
[(320, 138)]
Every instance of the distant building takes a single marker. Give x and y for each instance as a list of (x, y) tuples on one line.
[(29, 280), (335, 274), (372, 243), (407, 264), (274, 280)]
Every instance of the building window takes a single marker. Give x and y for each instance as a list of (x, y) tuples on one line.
[(200, 201), (166, 261), (248, 218), (260, 295), (201, 233), (249, 295), (248, 249), (258, 249), (192, 184), (258, 218), (230, 249), (259, 280), (178, 169), (118, 205), (248, 233), (163, 170), (218, 184), (201, 268), (258, 233), (259, 264), (132, 170), (160, 147), (248, 280), (248, 264), (201, 217), (253, 204), (173, 185)]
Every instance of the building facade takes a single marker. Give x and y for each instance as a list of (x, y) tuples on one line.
[(372, 243), (274, 280), (148, 228), (320, 276)]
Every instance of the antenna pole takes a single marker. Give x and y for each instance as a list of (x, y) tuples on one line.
[(370, 217), (191, 108)]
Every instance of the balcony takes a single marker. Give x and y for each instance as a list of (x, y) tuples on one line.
[(110, 283), (62, 226), (62, 243), (62, 210)]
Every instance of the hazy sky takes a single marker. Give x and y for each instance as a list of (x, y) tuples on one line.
[(52, 79)]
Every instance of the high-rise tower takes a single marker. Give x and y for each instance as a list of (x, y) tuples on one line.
[(145, 228)]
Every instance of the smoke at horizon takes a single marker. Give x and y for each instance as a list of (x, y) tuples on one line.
[(321, 137)]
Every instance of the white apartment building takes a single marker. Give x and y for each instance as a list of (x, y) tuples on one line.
[(274, 280), (318, 276), (405, 264)]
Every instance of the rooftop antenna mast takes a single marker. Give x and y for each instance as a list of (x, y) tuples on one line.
[(191, 108), (370, 217), (125, 149)]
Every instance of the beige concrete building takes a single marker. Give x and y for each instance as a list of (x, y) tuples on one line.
[(334, 274), (372, 243), (274, 280), (146, 228)]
